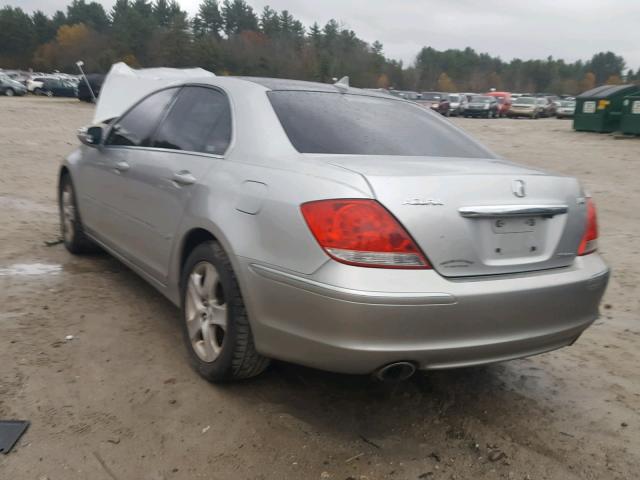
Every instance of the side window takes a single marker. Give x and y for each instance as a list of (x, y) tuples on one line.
[(135, 128), (199, 121)]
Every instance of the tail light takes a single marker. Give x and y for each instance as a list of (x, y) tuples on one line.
[(362, 232), (589, 242)]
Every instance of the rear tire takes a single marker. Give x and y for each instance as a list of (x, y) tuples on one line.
[(9, 92), (73, 236), (216, 326)]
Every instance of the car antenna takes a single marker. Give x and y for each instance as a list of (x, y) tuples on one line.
[(343, 83)]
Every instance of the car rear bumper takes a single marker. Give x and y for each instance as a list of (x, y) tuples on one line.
[(355, 320)]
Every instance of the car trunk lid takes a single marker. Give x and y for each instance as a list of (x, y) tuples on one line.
[(478, 216)]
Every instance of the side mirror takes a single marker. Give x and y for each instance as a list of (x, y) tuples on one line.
[(90, 136)]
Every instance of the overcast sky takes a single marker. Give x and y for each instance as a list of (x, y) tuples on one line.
[(569, 29)]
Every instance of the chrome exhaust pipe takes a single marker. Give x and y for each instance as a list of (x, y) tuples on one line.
[(395, 372)]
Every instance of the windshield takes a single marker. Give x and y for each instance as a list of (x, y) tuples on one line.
[(431, 96), (480, 99), (454, 98), (525, 101), (567, 103), (345, 124)]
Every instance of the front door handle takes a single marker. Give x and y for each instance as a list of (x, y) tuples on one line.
[(122, 166), (184, 177)]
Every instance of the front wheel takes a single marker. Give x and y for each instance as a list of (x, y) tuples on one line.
[(216, 326), (9, 92)]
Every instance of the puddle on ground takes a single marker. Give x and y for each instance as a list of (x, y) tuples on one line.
[(15, 203), (27, 269)]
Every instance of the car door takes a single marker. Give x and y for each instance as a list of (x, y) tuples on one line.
[(102, 170), (159, 183)]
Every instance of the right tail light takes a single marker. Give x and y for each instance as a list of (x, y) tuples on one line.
[(589, 242)]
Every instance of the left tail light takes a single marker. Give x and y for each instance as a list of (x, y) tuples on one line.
[(589, 242), (362, 232)]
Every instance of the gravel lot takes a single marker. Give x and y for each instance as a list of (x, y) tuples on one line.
[(119, 401)]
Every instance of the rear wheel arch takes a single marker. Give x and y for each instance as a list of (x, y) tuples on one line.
[(191, 240)]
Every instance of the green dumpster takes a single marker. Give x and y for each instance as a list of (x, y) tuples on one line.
[(630, 121), (600, 109)]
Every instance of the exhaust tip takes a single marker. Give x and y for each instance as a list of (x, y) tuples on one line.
[(395, 372)]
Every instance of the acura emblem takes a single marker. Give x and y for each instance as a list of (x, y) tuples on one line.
[(518, 188)]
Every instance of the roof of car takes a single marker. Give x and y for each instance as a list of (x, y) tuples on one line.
[(303, 85)]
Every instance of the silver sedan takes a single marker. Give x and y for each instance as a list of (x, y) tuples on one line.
[(333, 227)]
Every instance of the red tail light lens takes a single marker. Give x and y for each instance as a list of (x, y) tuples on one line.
[(589, 241), (362, 232)]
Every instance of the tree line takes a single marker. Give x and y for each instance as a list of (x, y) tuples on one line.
[(230, 37)]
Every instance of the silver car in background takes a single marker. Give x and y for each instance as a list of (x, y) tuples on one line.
[(333, 227), (457, 104), (566, 109)]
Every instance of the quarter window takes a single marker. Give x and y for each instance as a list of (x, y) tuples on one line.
[(136, 127), (199, 121)]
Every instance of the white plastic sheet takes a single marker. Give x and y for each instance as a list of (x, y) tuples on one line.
[(124, 86)]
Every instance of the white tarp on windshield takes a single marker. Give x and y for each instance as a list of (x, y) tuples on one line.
[(124, 86)]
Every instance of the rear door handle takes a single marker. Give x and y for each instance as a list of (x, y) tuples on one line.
[(122, 166), (184, 177)]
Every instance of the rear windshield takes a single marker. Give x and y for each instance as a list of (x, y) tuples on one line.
[(345, 124), (480, 99), (525, 101)]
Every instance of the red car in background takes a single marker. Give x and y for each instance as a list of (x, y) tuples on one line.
[(504, 102)]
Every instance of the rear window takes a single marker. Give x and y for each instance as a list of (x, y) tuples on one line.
[(525, 101), (345, 124)]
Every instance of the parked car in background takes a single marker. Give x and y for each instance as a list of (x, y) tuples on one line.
[(56, 87), (566, 109), (365, 271), (95, 80), (547, 107), (436, 101), (16, 75), (482, 106), (34, 84), (504, 102), (406, 94), (457, 103), (525, 107), (10, 87)]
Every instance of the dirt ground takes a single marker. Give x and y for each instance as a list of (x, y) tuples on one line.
[(119, 402)]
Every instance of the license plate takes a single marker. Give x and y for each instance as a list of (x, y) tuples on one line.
[(515, 225)]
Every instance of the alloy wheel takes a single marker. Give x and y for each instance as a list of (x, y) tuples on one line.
[(206, 311), (68, 213)]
